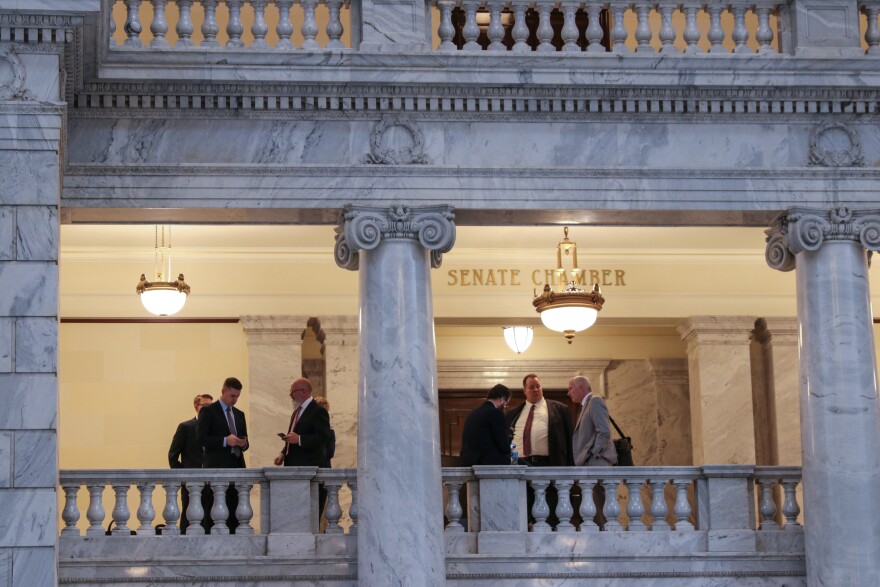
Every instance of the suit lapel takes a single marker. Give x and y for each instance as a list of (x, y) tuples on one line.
[(581, 415)]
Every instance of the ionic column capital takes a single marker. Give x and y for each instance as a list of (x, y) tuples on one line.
[(274, 329), (804, 229), (365, 227)]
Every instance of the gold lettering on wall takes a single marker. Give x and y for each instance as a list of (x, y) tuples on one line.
[(498, 277)]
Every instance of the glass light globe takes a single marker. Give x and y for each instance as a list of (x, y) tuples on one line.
[(518, 338), (163, 301), (575, 318)]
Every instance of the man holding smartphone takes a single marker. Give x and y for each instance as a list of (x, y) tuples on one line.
[(222, 431)]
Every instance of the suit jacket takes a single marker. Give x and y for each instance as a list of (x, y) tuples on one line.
[(185, 451), (592, 435), (313, 427), (212, 429), (558, 435), (484, 437)]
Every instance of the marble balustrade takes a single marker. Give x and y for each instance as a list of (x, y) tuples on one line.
[(195, 24), (638, 499)]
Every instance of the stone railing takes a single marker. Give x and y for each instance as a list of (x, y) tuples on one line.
[(871, 29), (626, 27)]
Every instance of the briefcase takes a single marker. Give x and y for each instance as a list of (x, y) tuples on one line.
[(623, 445)]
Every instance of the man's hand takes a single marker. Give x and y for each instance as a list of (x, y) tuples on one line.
[(233, 440), (279, 459), (292, 438)]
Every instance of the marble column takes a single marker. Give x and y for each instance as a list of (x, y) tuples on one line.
[(778, 340), (274, 361), (31, 117), (673, 412), (400, 501), (719, 369), (339, 339), (840, 416)]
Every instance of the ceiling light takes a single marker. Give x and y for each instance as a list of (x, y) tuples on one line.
[(518, 338), (570, 308), (163, 297)]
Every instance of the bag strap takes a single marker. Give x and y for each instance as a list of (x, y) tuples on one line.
[(616, 427)]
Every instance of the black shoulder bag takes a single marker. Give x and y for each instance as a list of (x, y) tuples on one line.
[(624, 447)]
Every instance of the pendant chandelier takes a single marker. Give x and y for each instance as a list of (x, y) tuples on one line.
[(163, 297), (570, 308), (518, 338)]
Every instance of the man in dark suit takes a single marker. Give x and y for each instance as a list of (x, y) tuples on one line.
[(222, 431), (484, 436), (186, 453), (307, 434), (541, 430)]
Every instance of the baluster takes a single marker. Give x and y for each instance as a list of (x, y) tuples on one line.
[(594, 28), (309, 27), (285, 27), (588, 506), (716, 33), (768, 506), (234, 28), (195, 513), (740, 32), (540, 509), (70, 515), (569, 28), (764, 35), (520, 31), (872, 34), (145, 512), (691, 30), (496, 29), (612, 506), (643, 29), (352, 509), (334, 26), (210, 28), (159, 26), (453, 506), (470, 31), (564, 511), (790, 508), (259, 28), (618, 31), (184, 24), (112, 25), (333, 511), (446, 31), (682, 507), (95, 513), (658, 506), (120, 510), (244, 511), (132, 24), (635, 509), (667, 33), (545, 29), (171, 513), (219, 511)]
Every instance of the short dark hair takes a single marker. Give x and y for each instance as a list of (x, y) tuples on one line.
[(529, 376), (498, 392), (232, 383), (200, 396)]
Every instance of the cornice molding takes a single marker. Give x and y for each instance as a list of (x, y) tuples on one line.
[(274, 329)]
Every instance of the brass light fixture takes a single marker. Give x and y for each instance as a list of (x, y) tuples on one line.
[(163, 297), (570, 308)]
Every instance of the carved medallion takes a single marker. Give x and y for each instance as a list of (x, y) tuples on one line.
[(396, 140), (834, 144), (12, 76)]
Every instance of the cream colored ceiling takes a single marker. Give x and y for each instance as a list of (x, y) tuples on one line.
[(233, 270)]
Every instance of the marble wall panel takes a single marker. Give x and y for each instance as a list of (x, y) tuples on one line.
[(7, 233), (6, 459), (28, 517), (36, 345), (36, 233), (29, 401), (29, 289), (29, 178), (632, 402), (36, 458), (33, 567), (673, 412), (6, 328)]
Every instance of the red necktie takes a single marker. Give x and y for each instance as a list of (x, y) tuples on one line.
[(527, 432)]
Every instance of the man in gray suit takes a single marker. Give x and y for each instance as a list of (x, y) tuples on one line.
[(591, 443)]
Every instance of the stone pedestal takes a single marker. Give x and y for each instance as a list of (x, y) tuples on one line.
[(274, 361), (840, 414), (400, 521), (720, 377), (825, 28), (392, 26)]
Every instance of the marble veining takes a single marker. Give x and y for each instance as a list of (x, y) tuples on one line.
[(7, 233), (6, 328), (36, 233), (30, 289), (36, 345), (6, 459), (35, 458), (32, 567), (28, 517)]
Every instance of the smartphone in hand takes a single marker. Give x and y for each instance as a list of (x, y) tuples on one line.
[(281, 435)]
